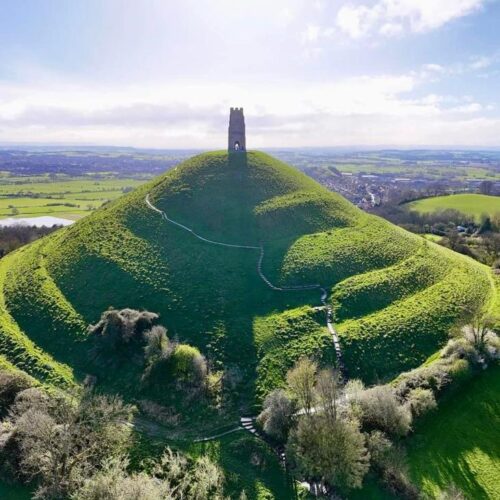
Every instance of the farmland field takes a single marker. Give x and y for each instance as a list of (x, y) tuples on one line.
[(62, 196), (474, 205)]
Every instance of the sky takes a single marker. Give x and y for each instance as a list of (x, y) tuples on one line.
[(163, 73)]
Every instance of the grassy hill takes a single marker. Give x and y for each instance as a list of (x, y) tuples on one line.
[(395, 295), (474, 205), (459, 442)]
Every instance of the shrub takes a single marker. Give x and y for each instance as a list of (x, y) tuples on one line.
[(123, 325), (395, 475), (113, 483), (11, 384), (198, 479), (460, 348), (188, 364), (379, 447), (381, 409), (451, 492), (275, 418), (158, 347), (118, 332), (157, 351), (421, 401)]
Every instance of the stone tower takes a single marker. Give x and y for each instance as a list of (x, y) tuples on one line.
[(236, 134)]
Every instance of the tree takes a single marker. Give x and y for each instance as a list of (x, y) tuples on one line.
[(479, 328), (63, 441), (300, 380), (329, 391), (330, 451), (277, 414), (491, 243), (486, 187)]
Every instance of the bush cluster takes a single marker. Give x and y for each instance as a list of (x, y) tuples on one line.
[(131, 335), (76, 447)]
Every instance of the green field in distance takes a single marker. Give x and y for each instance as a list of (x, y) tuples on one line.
[(62, 196), (474, 205)]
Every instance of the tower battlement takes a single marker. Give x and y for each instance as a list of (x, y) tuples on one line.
[(236, 132)]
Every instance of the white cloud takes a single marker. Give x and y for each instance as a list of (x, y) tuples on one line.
[(392, 17), (473, 107), (361, 110), (482, 62), (311, 33)]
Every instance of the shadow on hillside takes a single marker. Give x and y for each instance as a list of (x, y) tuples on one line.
[(449, 445)]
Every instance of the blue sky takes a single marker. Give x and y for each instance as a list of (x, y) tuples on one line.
[(163, 73)]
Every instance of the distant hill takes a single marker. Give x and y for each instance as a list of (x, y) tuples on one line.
[(395, 295)]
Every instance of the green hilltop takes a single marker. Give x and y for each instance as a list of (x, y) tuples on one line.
[(395, 296)]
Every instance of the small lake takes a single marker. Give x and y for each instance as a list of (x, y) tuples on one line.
[(45, 220)]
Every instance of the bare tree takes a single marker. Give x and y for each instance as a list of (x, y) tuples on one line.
[(276, 416), (329, 390), (479, 328), (63, 441), (300, 380)]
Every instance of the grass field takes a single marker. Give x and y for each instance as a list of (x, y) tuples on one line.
[(459, 442), (474, 205), (70, 198)]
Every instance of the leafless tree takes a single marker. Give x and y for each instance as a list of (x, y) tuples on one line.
[(329, 389), (301, 379)]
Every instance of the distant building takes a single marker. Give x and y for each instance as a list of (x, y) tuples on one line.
[(236, 135)]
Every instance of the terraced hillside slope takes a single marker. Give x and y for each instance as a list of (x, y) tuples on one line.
[(395, 295)]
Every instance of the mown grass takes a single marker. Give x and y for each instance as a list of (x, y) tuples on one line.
[(474, 205), (458, 443)]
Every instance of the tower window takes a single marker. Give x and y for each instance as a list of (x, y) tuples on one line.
[(237, 146)]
